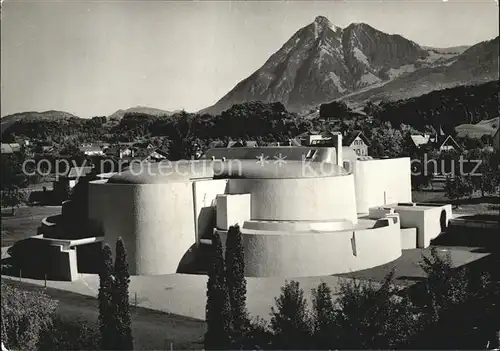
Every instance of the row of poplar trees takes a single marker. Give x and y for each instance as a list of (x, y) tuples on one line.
[(226, 314), (114, 307)]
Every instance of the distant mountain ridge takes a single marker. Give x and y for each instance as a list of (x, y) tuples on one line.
[(51, 115), (118, 115), (54, 115), (451, 49), (322, 62)]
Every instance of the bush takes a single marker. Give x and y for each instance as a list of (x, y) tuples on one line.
[(324, 317), (70, 335), (371, 316), (26, 315), (460, 306), (290, 319), (258, 335), (458, 187), (444, 286)]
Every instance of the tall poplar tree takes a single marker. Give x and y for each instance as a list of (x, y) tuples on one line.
[(236, 282), (124, 340), (218, 310), (106, 311)]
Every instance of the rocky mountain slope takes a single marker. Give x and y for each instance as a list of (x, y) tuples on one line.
[(322, 62), (478, 64)]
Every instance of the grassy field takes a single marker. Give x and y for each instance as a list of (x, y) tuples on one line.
[(24, 223), (476, 204)]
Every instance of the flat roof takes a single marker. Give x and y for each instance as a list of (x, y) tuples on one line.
[(186, 170)]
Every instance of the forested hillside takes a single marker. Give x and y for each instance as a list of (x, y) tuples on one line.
[(448, 108), (266, 122)]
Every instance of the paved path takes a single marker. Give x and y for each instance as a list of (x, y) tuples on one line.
[(185, 294)]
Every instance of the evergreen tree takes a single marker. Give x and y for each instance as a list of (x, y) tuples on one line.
[(124, 340), (218, 310), (106, 312), (236, 282)]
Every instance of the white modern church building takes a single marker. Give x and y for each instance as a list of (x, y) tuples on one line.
[(302, 211)]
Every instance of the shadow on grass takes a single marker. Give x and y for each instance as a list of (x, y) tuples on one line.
[(492, 200), (10, 268), (488, 240), (8, 213)]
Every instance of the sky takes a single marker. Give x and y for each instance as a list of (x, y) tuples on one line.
[(91, 58)]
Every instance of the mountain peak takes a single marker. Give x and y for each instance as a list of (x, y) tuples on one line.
[(322, 20), (321, 63)]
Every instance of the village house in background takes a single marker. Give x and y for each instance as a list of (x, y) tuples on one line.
[(71, 178), (357, 141), (437, 140), (119, 151), (449, 144), (91, 150), (156, 155), (10, 148), (232, 143), (418, 141)]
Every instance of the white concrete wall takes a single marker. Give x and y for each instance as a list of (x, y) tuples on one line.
[(205, 193), (380, 182), (408, 238), (425, 219), (154, 220), (315, 254), (298, 199), (232, 210)]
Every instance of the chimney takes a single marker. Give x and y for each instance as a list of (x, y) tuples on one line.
[(337, 142)]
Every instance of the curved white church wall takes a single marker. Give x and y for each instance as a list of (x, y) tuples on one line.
[(156, 222), (299, 199), (380, 182), (315, 254)]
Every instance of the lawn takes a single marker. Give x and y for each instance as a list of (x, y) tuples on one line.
[(152, 330), (475, 205), (24, 223)]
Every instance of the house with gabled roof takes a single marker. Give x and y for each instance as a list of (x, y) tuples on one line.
[(91, 150), (240, 143), (119, 151), (71, 178), (449, 144), (420, 140), (357, 141), (157, 155)]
